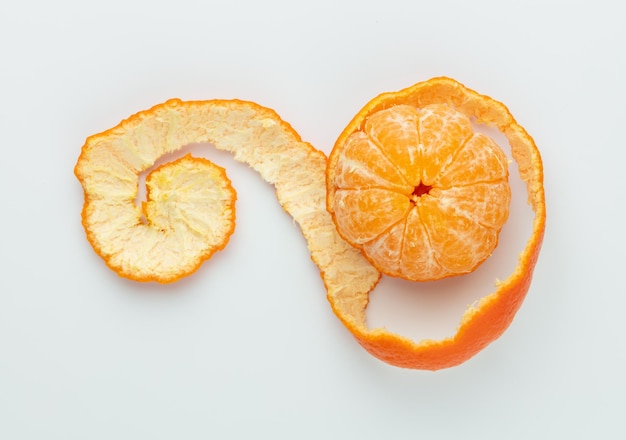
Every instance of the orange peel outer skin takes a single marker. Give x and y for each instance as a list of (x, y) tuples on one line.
[(486, 321)]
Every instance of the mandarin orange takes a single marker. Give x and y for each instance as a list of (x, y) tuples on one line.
[(419, 191)]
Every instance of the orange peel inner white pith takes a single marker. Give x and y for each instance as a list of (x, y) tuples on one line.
[(131, 239)]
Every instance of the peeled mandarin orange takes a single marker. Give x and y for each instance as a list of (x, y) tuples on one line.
[(421, 193), (382, 158)]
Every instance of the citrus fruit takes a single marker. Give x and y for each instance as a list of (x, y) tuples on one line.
[(420, 192), (485, 321), (189, 212)]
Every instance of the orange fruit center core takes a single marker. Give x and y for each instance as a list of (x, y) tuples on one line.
[(419, 191)]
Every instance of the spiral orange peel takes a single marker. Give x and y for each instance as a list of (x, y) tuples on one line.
[(190, 212)]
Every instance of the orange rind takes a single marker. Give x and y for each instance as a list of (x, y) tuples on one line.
[(189, 212), (185, 222)]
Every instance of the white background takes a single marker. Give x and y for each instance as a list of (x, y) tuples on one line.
[(248, 346)]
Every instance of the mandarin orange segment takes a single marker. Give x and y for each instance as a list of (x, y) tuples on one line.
[(388, 247), (359, 218), (479, 160), (364, 166), (473, 202), (467, 198), (394, 131), (442, 132), (457, 242), (419, 260)]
